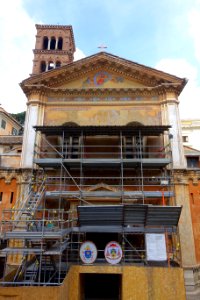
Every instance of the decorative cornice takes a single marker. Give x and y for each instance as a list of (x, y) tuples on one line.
[(186, 175), (11, 140), (54, 52), (9, 174), (61, 92), (172, 101), (44, 26)]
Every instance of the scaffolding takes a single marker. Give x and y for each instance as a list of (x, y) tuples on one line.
[(97, 183)]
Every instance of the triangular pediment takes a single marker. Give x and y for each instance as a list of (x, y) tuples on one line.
[(101, 187), (103, 70)]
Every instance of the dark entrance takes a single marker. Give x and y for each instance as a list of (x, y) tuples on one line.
[(101, 286), (101, 240)]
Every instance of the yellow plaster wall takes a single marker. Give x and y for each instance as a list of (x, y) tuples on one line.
[(8, 129), (102, 115), (11, 160), (153, 283), (138, 283), (10, 124)]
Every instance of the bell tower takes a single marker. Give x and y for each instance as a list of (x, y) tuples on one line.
[(54, 47)]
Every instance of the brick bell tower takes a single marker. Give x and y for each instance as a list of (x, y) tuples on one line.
[(54, 47)]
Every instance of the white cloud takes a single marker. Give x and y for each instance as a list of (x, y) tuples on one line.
[(178, 67), (78, 54), (190, 96), (17, 35)]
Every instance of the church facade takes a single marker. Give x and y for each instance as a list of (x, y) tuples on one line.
[(107, 202)]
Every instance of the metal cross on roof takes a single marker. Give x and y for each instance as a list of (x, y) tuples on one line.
[(102, 46)]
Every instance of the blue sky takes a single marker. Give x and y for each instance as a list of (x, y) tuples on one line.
[(163, 34), (140, 30)]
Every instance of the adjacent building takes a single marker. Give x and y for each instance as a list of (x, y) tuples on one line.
[(8, 125), (191, 133), (10, 159)]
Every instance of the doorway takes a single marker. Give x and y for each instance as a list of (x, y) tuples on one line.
[(101, 286)]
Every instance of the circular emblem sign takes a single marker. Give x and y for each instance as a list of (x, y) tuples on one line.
[(88, 252), (113, 253)]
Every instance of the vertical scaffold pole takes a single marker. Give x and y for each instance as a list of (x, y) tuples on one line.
[(122, 167)]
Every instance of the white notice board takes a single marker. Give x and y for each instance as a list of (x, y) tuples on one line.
[(156, 246)]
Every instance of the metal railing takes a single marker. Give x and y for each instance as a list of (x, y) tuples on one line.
[(102, 151), (43, 220)]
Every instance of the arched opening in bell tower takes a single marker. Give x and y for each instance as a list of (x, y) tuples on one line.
[(58, 64), (43, 66), (53, 43), (60, 43), (45, 43), (51, 65)]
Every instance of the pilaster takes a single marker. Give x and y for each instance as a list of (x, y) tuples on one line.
[(185, 223), (170, 116), (34, 116)]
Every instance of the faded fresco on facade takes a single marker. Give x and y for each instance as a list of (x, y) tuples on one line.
[(102, 115), (103, 79)]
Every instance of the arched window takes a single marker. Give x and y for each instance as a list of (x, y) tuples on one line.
[(134, 123), (45, 43), (70, 124), (58, 64), (53, 43), (51, 65), (60, 43), (43, 66)]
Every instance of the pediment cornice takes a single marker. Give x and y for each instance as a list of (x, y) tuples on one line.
[(44, 90), (103, 61)]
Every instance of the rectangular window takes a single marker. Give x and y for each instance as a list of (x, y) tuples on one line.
[(1, 196), (185, 139), (3, 124), (11, 197), (193, 162), (192, 198), (14, 131)]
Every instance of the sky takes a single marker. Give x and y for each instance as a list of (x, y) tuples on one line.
[(162, 34)]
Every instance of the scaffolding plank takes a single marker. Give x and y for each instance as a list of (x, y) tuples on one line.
[(141, 229), (110, 194), (147, 130), (22, 250), (94, 162), (63, 194), (57, 248), (48, 162), (34, 235)]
